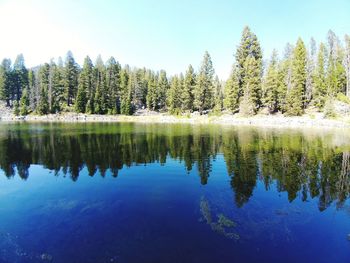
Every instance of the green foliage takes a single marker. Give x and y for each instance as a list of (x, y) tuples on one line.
[(233, 92), (125, 106), (70, 78), (270, 85), (113, 85), (152, 98), (85, 88), (296, 95), (19, 77), (174, 99), (336, 76), (204, 92), (188, 89), (162, 89), (251, 87), (24, 103), (343, 98), (329, 110), (320, 91), (219, 96), (43, 103), (5, 81), (16, 108)]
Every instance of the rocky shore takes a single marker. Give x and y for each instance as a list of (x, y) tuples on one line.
[(310, 121)]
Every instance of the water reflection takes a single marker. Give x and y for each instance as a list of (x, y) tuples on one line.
[(302, 164)]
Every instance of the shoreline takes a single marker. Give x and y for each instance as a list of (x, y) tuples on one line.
[(277, 121)]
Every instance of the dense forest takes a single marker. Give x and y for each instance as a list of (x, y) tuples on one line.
[(302, 77)]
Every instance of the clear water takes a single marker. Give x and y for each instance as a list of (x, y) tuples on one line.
[(172, 193)]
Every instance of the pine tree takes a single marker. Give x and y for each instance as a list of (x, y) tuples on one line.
[(151, 97), (310, 72), (188, 90), (320, 90), (251, 87), (270, 86), (233, 92), (125, 106), (56, 86), (81, 100), (70, 78), (24, 102), (43, 79), (113, 85), (5, 81), (284, 77), (249, 47), (219, 96), (162, 89), (101, 95), (85, 88), (32, 92), (336, 79), (16, 108), (296, 95), (174, 99), (203, 92), (20, 77)]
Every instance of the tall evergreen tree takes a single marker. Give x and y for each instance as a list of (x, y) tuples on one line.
[(320, 90), (296, 95), (152, 99), (284, 77), (310, 71), (174, 95), (125, 105), (113, 85), (233, 92), (85, 88), (162, 89), (204, 92), (188, 89), (32, 92), (270, 85), (24, 102), (43, 80), (336, 79), (101, 95), (56, 86), (5, 81), (219, 95), (251, 87), (70, 78), (249, 47), (20, 77)]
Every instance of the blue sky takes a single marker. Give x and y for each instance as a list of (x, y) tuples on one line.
[(162, 34)]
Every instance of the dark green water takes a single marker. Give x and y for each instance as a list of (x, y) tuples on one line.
[(172, 193)]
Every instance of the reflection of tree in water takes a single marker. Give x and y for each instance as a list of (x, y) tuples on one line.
[(305, 167)]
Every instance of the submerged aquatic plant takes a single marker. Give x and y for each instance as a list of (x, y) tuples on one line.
[(222, 226)]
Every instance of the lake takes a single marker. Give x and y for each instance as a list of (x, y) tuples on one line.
[(124, 192)]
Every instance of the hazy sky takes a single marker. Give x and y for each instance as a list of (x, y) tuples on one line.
[(161, 34)]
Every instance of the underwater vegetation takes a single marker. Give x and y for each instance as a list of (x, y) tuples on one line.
[(223, 225)]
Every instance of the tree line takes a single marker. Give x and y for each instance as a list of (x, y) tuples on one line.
[(303, 77)]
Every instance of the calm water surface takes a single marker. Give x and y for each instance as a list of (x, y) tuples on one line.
[(172, 193)]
